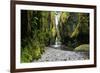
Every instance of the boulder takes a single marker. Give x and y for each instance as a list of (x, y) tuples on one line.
[(83, 47)]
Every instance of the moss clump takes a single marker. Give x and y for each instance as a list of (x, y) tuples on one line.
[(83, 47), (26, 56)]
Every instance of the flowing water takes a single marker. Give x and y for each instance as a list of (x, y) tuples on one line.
[(57, 41)]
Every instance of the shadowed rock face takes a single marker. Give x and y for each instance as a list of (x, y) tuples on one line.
[(52, 54)]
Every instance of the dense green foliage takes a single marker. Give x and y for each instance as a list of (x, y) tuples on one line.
[(75, 28), (38, 31)]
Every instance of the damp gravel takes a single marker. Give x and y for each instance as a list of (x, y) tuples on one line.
[(52, 54)]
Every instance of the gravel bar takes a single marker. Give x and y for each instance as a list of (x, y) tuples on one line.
[(52, 54)]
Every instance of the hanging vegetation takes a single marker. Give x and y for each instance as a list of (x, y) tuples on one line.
[(38, 31)]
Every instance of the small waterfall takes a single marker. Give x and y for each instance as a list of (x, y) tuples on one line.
[(57, 41)]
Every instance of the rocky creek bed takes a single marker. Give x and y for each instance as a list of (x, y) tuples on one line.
[(52, 54)]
